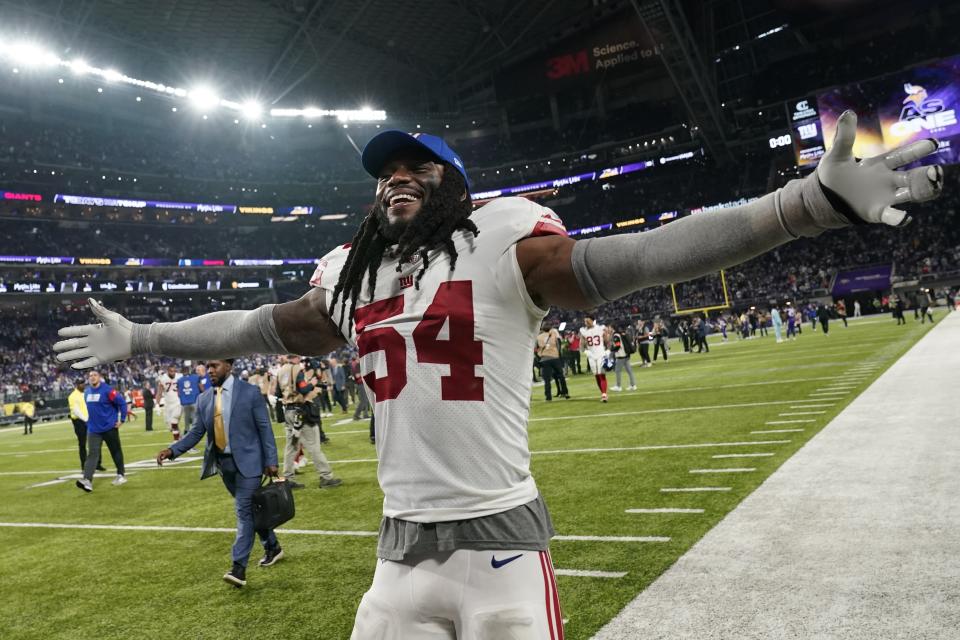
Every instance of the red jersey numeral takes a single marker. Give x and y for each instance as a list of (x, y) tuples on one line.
[(452, 305), (385, 339), (453, 302)]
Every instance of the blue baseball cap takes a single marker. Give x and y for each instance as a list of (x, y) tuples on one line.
[(383, 145)]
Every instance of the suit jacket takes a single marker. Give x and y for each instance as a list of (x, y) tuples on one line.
[(251, 433)]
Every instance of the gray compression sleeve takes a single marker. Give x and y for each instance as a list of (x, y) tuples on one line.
[(611, 267), (222, 334)]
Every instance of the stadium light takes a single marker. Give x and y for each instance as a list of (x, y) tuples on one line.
[(25, 53), (251, 110), (29, 54), (203, 98), (79, 66)]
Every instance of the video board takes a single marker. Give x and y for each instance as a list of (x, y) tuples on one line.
[(892, 110)]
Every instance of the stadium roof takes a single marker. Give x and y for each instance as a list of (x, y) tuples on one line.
[(289, 51)]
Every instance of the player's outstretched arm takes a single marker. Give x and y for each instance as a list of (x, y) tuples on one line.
[(843, 191), (301, 326)]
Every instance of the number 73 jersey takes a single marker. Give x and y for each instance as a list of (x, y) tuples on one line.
[(447, 368)]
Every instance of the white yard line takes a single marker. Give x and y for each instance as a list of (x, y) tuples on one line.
[(663, 510), (776, 431), (551, 452), (612, 538), (616, 414), (803, 413), (788, 421), (730, 470), (658, 447), (692, 489), (580, 573), (139, 527), (808, 406), (743, 455)]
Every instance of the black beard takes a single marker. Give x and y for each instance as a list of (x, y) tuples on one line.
[(393, 230), (444, 203)]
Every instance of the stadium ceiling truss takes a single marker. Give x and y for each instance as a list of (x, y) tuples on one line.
[(290, 51)]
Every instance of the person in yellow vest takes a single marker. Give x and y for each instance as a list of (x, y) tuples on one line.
[(78, 416)]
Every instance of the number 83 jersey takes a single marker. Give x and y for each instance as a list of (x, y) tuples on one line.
[(447, 368)]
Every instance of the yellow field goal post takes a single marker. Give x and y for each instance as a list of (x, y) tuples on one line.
[(706, 309)]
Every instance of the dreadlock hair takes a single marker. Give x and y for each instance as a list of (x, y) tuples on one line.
[(432, 228)]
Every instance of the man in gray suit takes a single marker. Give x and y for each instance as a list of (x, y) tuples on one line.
[(241, 448)]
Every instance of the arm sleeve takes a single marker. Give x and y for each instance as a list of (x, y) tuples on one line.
[(611, 267), (222, 334)]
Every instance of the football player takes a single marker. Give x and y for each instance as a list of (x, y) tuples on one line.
[(594, 336), (170, 399), (443, 302)]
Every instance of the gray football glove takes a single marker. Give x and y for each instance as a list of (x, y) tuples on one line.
[(96, 344), (871, 186)]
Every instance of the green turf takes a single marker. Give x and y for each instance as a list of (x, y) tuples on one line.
[(70, 583)]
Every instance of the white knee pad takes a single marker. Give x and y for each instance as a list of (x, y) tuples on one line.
[(514, 623)]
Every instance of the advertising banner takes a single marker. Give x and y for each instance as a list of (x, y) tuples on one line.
[(614, 48), (875, 278)]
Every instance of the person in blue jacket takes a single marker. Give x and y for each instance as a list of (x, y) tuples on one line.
[(242, 449), (106, 410)]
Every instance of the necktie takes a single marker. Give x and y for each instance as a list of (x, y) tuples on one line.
[(219, 435)]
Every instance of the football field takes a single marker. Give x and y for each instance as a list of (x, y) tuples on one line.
[(631, 485)]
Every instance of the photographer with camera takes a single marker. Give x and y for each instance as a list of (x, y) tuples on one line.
[(299, 425)]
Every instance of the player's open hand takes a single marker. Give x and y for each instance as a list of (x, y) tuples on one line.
[(871, 186), (95, 344)]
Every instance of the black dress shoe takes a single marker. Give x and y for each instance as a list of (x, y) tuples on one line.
[(271, 557), (237, 576), (294, 484)]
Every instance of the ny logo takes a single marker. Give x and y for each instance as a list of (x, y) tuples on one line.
[(406, 282)]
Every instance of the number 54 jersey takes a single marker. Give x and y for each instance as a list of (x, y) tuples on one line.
[(447, 367)]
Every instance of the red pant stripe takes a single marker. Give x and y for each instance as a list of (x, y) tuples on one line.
[(556, 598), (546, 594)]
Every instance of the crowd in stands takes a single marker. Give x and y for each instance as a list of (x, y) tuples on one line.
[(70, 238)]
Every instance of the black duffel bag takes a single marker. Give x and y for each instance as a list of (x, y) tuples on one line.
[(272, 505)]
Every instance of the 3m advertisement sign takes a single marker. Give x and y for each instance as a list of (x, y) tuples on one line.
[(616, 47)]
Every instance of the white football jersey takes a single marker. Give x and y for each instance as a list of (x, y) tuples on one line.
[(447, 368), (593, 339), (168, 388)]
